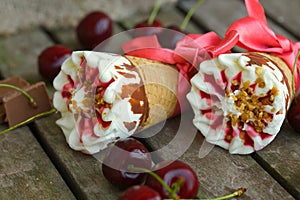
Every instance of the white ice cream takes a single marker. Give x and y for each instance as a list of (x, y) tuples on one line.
[(79, 85), (220, 87)]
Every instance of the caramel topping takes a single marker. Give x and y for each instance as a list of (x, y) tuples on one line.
[(257, 59), (252, 107)]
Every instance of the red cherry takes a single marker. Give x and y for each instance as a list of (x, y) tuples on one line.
[(124, 153), (144, 23), (170, 36), (149, 29), (140, 192), (51, 59), (293, 115), (176, 28), (93, 29), (173, 172)]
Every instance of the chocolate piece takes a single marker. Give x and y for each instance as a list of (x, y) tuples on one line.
[(4, 91), (18, 107)]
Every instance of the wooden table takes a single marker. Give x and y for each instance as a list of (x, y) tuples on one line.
[(36, 162)]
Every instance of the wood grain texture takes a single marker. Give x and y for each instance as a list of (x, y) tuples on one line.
[(285, 15), (282, 159), (25, 170), (82, 172), (19, 54), (215, 15), (219, 172), (168, 15)]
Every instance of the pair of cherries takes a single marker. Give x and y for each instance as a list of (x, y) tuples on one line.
[(91, 30), (128, 164)]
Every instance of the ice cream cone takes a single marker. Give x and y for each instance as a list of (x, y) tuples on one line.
[(160, 83), (106, 97), (240, 100), (286, 72)]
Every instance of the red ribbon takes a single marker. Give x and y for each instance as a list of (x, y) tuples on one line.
[(254, 34), (189, 52), (251, 33)]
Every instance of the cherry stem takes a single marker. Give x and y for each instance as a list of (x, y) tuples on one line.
[(154, 12), (237, 193), (190, 14), (172, 194), (28, 120), (31, 100), (177, 185), (293, 75)]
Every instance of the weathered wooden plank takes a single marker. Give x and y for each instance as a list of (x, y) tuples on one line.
[(282, 159), (25, 170), (82, 172), (217, 15), (219, 172), (284, 13), (67, 36), (19, 54), (168, 15)]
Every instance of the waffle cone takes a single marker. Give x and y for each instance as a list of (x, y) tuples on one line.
[(160, 82), (286, 71)]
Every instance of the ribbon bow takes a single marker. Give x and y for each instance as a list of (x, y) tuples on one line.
[(254, 34), (189, 52)]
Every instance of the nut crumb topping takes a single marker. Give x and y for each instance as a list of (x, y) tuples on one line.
[(251, 107)]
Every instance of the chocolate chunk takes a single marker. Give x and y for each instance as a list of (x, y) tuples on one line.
[(4, 91), (18, 107)]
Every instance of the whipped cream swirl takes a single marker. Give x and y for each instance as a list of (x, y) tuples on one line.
[(95, 95), (240, 101)]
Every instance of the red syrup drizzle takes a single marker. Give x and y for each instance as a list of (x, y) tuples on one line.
[(66, 90), (224, 77), (228, 132), (99, 108), (215, 86), (238, 79)]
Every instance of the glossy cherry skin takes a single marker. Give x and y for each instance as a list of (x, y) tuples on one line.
[(293, 115), (51, 59), (170, 36), (124, 153), (144, 23), (93, 29), (152, 29), (171, 172), (140, 192)]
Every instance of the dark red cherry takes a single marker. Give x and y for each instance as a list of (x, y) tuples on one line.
[(175, 172), (51, 59), (144, 23), (148, 29), (176, 28), (293, 115), (93, 29), (169, 36), (140, 192), (124, 153)]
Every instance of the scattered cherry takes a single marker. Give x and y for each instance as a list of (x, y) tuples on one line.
[(174, 173), (124, 153), (145, 23), (144, 28), (93, 29), (51, 59), (140, 192), (170, 36), (293, 115)]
